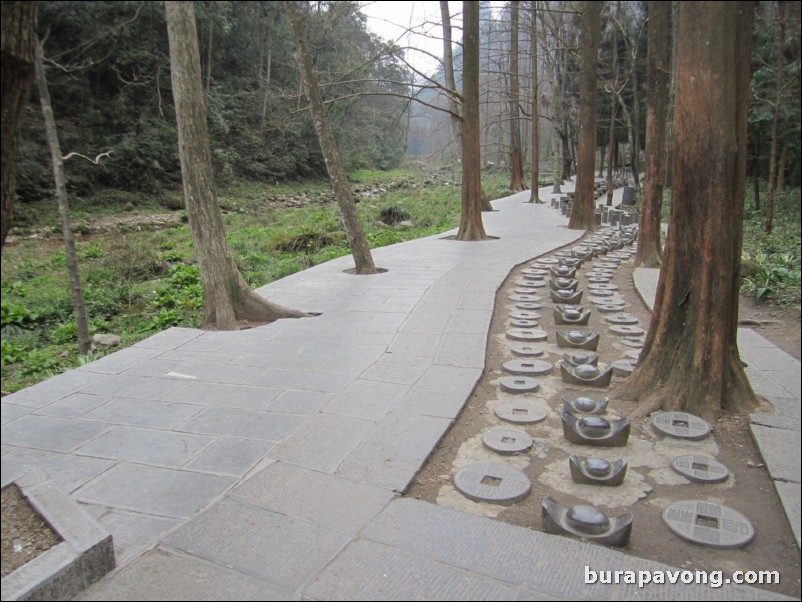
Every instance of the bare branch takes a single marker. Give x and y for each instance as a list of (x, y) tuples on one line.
[(96, 160)]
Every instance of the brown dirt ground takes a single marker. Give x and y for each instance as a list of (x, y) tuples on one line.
[(25, 534), (650, 484)]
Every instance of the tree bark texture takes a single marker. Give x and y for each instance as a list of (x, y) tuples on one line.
[(470, 225), (613, 111), (451, 82), (534, 196), (76, 290), (690, 359), (360, 250), (649, 245), (17, 66), (775, 120), (582, 217), (516, 156), (227, 297)]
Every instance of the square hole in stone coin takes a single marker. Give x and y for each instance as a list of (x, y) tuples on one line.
[(707, 521), (492, 481)]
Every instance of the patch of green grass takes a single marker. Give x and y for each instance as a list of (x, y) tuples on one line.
[(136, 283)]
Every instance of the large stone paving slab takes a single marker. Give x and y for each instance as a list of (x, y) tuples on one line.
[(366, 399), (790, 496), (74, 406), (53, 434), (316, 497), (68, 471), (168, 575), (281, 550), (159, 491), (269, 426), (780, 451), (395, 575), (118, 361), (46, 392), (137, 387), (10, 411), (442, 391), (228, 396), (395, 450), (230, 456), (547, 564), (323, 441), (142, 412), (134, 533), (148, 446)]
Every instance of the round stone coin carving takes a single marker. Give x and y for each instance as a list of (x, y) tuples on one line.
[(701, 469), (523, 323), (524, 297), (508, 441), (522, 412), (600, 293), (681, 425), (525, 315), (526, 334), (611, 308), (527, 367), (527, 350), (624, 367), (492, 483), (519, 384), (528, 305), (626, 319), (709, 524), (627, 330)]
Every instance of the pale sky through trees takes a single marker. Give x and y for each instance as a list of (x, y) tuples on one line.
[(394, 20)]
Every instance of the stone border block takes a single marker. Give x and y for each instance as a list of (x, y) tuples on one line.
[(85, 554)]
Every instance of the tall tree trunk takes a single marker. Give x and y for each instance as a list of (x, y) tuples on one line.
[(635, 124), (672, 86), (17, 66), (781, 168), (690, 359), (755, 160), (613, 110), (470, 225), (451, 83), (534, 196), (649, 247), (339, 180), (227, 297), (516, 157), (582, 213), (76, 291), (209, 57), (775, 121)]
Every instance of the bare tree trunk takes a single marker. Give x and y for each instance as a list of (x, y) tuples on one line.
[(451, 83), (582, 213), (76, 291), (17, 66), (471, 226), (339, 180), (516, 157), (613, 110), (690, 359), (775, 121), (209, 58), (649, 247), (534, 196), (227, 297), (781, 168), (635, 123)]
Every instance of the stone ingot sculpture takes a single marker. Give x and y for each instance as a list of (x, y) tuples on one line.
[(563, 271), (571, 314), (595, 430), (597, 471), (566, 296), (566, 284), (572, 262), (585, 405), (590, 376), (586, 522), (581, 359), (578, 339)]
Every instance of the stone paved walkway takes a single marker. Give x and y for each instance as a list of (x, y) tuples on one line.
[(266, 464)]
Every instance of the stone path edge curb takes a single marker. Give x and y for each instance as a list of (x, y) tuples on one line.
[(85, 554)]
